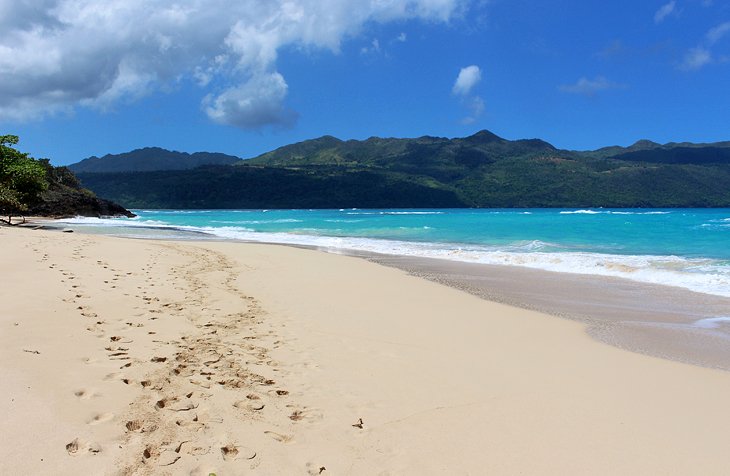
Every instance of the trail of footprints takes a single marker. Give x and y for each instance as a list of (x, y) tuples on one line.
[(176, 404), (227, 350)]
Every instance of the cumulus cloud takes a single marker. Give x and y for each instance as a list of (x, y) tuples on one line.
[(58, 54), (255, 102), (466, 81), (468, 77), (664, 11), (590, 87)]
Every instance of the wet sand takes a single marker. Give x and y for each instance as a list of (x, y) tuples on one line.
[(661, 321)]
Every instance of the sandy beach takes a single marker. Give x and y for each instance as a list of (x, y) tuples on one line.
[(124, 356)]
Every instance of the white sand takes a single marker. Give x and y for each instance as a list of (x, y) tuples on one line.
[(445, 383)]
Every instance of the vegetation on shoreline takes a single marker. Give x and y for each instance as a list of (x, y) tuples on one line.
[(22, 179), (34, 186)]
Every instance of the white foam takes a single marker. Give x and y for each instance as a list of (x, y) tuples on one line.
[(580, 212), (256, 222), (712, 322), (115, 222), (700, 275), (179, 212), (610, 212), (394, 213)]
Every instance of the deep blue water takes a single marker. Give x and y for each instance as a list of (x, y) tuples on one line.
[(689, 248)]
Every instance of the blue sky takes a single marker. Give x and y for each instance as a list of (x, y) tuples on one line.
[(90, 77)]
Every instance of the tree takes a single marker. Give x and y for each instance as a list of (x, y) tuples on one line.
[(22, 179)]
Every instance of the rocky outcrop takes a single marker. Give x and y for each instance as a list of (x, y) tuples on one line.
[(70, 202), (66, 198)]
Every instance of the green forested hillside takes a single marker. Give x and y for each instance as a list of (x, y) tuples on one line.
[(482, 170), (150, 159), (255, 187)]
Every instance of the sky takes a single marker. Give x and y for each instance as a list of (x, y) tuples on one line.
[(90, 77)]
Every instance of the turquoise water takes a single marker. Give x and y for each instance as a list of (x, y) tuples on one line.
[(689, 248)]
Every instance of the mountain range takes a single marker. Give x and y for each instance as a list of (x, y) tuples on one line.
[(482, 170), (149, 159)]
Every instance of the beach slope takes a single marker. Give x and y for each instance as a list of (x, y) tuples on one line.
[(122, 356)]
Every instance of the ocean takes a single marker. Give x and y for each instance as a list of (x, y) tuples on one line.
[(686, 248)]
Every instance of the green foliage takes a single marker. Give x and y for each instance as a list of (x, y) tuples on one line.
[(254, 187), (22, 178), (482, 170)]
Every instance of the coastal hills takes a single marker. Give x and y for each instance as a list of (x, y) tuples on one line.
[(150, 158), (482, 170)]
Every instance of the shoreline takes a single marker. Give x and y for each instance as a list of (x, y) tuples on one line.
[(166, 357), (652, 319)]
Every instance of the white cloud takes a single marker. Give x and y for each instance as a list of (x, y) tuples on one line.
[(715, 34), (702, 55), (465, 82), (467, 79), (58, 54), (402, 37), (253, 103), (590, 87), (476, 107), (664, 11), (695, 59)]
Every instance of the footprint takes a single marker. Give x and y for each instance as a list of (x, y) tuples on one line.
[(113, 376), (187, 447), (279, 437), (305, 413), (231, 452), (85, 394), (247, 405), (139, 426), (165, 402), (100, 418), (77, 447), (150, 452)]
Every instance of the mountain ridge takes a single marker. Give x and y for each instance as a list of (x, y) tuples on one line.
[(481, 170), (148, 159)]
